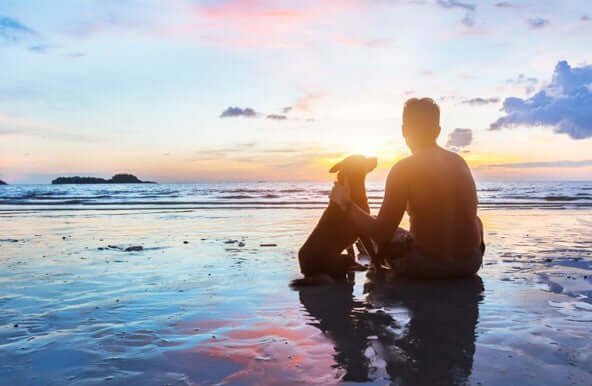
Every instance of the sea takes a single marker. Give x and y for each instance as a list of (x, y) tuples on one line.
[(268, 195), (188, 284)]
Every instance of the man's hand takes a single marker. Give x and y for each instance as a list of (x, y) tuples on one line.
[(401, 236), (340, 195)]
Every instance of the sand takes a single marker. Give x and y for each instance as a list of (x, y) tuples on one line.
[(77, 308)]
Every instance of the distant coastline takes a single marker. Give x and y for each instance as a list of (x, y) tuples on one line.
[(116, 179), (3, 183)]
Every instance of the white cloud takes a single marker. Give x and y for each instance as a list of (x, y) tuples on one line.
[(564, 104)]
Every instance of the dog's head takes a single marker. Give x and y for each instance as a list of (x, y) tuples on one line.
[(354, 167)]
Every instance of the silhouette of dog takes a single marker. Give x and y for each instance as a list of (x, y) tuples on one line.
[(321, 259)]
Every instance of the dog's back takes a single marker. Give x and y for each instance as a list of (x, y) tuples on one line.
[(321, 252), (320, 256)]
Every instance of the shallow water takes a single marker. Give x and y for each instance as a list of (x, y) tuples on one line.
[(211, 311)]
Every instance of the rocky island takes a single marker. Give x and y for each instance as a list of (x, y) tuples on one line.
[(3, 183), (116, 179)]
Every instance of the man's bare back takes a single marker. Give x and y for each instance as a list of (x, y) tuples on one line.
[(439, 192)]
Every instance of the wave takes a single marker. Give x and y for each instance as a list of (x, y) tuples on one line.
[(237, 197), (566, 198), (268, 195), (242, 190), (242, 203)]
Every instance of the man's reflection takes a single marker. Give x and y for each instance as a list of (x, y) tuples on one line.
[(435, 346)]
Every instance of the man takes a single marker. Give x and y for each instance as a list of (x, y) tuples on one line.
[(436, 188)]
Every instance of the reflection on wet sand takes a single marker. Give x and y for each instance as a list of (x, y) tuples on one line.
[(411, 332)]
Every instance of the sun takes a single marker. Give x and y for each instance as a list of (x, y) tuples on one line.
[(366, 146)]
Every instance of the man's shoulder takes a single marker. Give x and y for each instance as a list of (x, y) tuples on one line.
[(403, 163), (457, 157), (400, 167), (403, 160)]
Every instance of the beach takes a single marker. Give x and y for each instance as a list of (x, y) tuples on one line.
[(206, 299)]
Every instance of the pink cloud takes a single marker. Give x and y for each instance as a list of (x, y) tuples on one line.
[(10, 126), (260, 23), (354, 42), (306, 103)]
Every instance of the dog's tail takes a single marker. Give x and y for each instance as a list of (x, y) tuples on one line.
[(314, 280)]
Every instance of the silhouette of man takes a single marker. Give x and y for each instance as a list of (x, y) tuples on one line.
[(436, 188)]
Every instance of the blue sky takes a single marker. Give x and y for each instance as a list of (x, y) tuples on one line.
[(99, 87)]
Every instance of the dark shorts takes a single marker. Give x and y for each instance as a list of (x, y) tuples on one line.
[(410, 262)]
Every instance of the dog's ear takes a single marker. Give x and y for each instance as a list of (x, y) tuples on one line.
[(371, 163), (335, 167)]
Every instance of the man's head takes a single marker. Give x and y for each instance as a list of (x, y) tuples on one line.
[(421, 122)]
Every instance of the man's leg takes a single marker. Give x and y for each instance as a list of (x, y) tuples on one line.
[(417, 265)]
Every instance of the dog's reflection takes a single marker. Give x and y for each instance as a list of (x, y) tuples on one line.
[(426, 335)]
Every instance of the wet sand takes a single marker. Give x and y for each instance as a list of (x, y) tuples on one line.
[(204, 302)]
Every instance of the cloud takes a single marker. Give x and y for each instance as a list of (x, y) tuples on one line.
[(39, 48), (370, 43), (528, 83), (307, 102), (271, 156), (538, 22), (10, 126), (564, 104), (223, 152), (504, 4), (12, 30), (260, 23), (585, 18), (456, 4), (277, 117), (551, 164), (469, 18), (248, 112), (231, 112), (459, 139), (480, 101)]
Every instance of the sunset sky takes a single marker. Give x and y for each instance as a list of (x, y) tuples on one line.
[(185, 91)]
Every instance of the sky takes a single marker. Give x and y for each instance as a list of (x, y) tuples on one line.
[(190, 91)]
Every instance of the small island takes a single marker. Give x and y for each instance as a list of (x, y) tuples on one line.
[(3, 183), (116, 179)]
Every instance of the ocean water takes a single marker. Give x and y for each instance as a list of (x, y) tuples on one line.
[(206, 300), (252, 195)]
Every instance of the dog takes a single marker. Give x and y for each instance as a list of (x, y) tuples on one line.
[(320, 257)]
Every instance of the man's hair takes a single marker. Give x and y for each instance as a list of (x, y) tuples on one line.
[(421, 118)]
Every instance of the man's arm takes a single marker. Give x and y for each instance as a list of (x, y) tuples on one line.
[(382, 227)]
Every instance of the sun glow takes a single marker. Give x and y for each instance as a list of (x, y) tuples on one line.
[(366, 146)]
